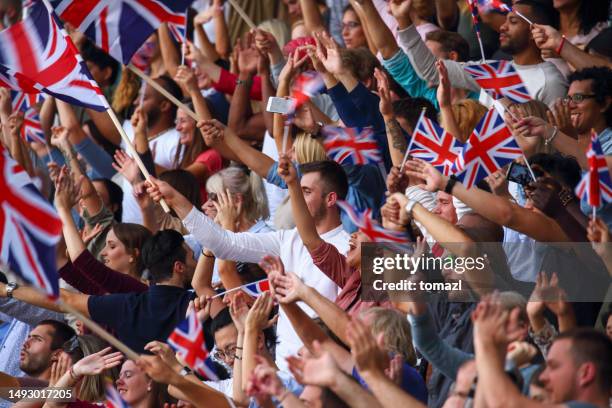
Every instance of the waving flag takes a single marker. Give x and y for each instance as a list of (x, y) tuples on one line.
[(499, 79), (435, 145), (29, 228), (476, 23), (351, 145), (179, 30), (256, 288), (188, 341), (497, 5), (305, 86), (372, 229), (490, 147), (113, 399), (22, 101), (37, 55), (596, 185), (119, 27), (31, 131)]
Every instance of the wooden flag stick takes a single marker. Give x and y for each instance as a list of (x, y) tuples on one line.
[(242, 14), (132, 151), (97, 329), (162, 91)]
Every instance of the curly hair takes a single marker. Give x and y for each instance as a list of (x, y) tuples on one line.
[(601, 87)]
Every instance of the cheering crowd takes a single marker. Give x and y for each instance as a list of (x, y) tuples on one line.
[(215, 224)]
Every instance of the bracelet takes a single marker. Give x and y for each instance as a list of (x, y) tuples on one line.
[(560, 47), (550, 139), (72, 374), (237, 357), (206, 255), (246, 83), (238, 348), (565, 196), (450, 184)]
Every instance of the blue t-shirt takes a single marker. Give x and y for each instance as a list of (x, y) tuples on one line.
[(412, 382), (138, 318)]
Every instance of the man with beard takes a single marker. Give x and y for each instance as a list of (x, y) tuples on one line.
[(542, 79), (42, 348), (323, 183)]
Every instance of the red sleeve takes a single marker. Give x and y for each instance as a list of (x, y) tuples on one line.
[(80, 281), (332, 263), (212, 160), (227, 85), (106, 278)]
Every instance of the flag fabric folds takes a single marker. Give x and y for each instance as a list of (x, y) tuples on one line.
[(188, 341), (29, 229), (119, 27), (371, 228), (490, 147), (22, 101), (435, 145), (113, 399), (305, 86), (499, 79), (351, 145), (596, 185), (32, 131), (255, 289)]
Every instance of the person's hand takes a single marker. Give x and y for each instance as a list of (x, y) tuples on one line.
[(212, 131), (95, 363), (186, 77), (397, 203), (400, 9), (385, 106), (390, 213), (6, 106), (546, 38), (291, 68), (88, 233), (395, 370), (59, 137), (263, 381), (228, 211), (239, 310), (202, 305), (139, 122), (521, 352), (444, 87), (157, 189), (367, 352), (494, 325), (498, 183), (54, 171), (266, 43), (139, 190), (156, 369), (320, 369), (126, 166), (258, 317), (305, 120), (397, 181), (551, 294), (432, 179), (329, 53), (286, 169), (289, 288), (15, 123), (247, 55), (273, 267), (165, 352), (59, 367), (599, 235), (533, 127), (560, 116), (66, 193), (263, 64), (193, 53), (204, 16), (317, 64)]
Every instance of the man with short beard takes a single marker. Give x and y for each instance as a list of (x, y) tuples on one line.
[(42, 348)]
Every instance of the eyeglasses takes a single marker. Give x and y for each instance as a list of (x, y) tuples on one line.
[(577, 97), (351, 25), (228, 354)]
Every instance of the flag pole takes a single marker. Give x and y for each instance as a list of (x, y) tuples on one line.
[(242, 14), (475, 13), (286, 127), (236, 288), (185, 36), (411, 140), (162, 91)]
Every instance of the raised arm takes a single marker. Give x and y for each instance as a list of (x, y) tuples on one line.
[(222, 37), (313, 21), (258, 319), (381, 35), (170, 53), (395, 136)]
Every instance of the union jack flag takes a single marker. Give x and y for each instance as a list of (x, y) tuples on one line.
[(187, 340), (596, 185), (305, 86), (179, 30), (119, 27), (37, 55), (31, 130), (113, 399), (490, 147), (22, 101), (351, 145), (494, 5), (435, 145), (499, 79), (256, 288), (29, 228), (475, 15), (371, 228)]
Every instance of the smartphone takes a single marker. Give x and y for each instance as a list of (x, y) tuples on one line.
[(280, 105), (519, 173)]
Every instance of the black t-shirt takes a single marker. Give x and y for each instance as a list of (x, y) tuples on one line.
[(138, 318)]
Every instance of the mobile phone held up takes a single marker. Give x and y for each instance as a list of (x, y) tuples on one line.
[(519, 173), (280, 105)]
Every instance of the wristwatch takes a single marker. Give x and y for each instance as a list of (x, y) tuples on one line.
[(10, 288), (185, 371)]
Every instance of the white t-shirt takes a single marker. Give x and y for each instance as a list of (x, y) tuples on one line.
[(275, 194), (288, 245)]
